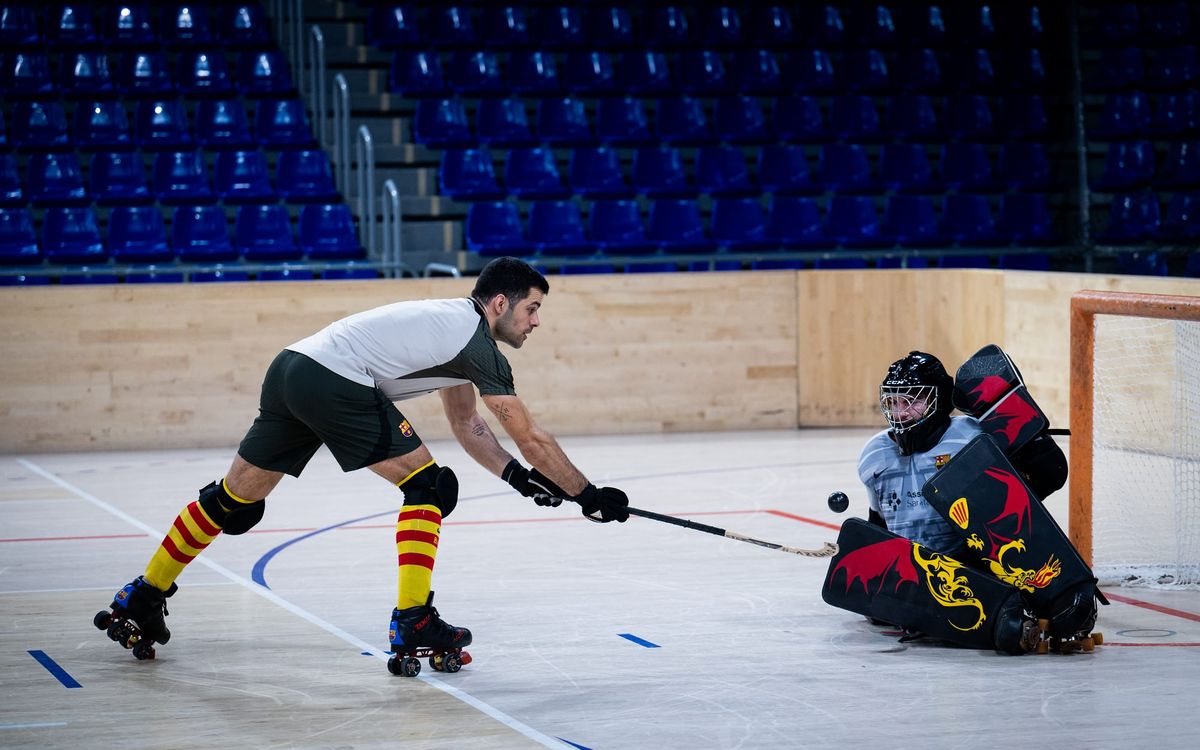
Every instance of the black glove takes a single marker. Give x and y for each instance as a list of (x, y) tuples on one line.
[(533, 484), (603, 504)]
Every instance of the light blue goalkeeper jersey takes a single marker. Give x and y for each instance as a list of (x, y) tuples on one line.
[(894, 484)]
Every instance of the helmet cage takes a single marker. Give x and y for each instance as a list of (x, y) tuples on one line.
[(902, 405)]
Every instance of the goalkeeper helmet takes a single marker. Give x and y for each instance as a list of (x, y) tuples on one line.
[(916, 400)]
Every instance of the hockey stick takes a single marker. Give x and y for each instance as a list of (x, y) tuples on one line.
[(826, 550)]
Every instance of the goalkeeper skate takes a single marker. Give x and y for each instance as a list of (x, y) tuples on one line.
[(418, 632), (137, 617), (988, 503)]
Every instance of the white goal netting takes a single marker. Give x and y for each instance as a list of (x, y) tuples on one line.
[(1146, 452)]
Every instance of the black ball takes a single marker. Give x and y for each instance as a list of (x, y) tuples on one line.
[(838, 502)]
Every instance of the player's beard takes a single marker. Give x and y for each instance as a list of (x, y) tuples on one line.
[(508, 331)]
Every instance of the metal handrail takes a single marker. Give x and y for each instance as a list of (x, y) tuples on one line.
[(316, 79), (392, 250), (364, 150), (341, 132)]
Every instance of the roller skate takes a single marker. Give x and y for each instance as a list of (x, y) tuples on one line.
[(1069, 628), (137, 617), (418, 632)]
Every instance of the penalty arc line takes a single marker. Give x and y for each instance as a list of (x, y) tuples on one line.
[(513, 723)]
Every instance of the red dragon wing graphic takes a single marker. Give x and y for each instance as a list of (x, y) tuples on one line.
[(1016, 506), (872, 563), (1017, 412), (988, 391)]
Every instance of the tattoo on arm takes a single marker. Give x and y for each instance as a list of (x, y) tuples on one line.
[(479, 430), (502, 413)]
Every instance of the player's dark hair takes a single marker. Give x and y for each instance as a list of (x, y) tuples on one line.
[(511, 277)]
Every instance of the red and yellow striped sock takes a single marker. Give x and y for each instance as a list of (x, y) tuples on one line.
[(418, 528), (192, 531)]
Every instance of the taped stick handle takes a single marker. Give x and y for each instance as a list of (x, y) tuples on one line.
[(826, 550)]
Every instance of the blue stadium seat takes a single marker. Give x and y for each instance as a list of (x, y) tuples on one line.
[(795, 223), (394, 26), (969, 117), (56, 179), (669, 26), (721, 171), (912, 221), (71, 235), (563, 121), (1022, 25), (783, 170), (416, 73), (757, 72), (590, 73), (659, 173), (1142, 263), (912, 118), (244, 25), (596, 173), (305, 177), (494, 228), (39, 125), (926, 24), (702, 73), (467, 174), (1125, 115), (1025, 219), (534, 72), (1173, 68), (85, 73), (1117, 69), (162, 124), (287, 274), (452, 26), (853, 221), (243, 177), (507, 26), (682, 121), (770, 26), (12, 193), (476, 73), (810, 72), (201, 234), (855, 118), (865, 71), (128, 25), (967, 220), (283, 124), (617, 229), (442, 123), (1025, 71), (327, 232), (556, 228), (1176, 113), (186, 24), (972, 72), (18, 26), (1025, 261), (18, 241), (1132, 217), (905, 167), (1181, 168), (25, 74), (561, 27), (740, 225), (645, 72), (1166, 23), (610, 27), (504, 122), (1127, 165), (798, 119), (222, 124), (101, 124), (72, 24), (119, 178), (878, 26), (622, 121), (264, 73), (676, 226), (846, 168), (220, 274), (532, 173), (1181, 221), (264, 232), (1023, 116), (136, 234), (1025, 166), (827, 28), (967, 166), (720, 26), (919, 71), (740, 119), (145, 73), (181, 177), (204, 73)]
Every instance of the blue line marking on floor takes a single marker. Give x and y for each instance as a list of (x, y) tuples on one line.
[(573, 744), (53, 668), (638, 641), (40, 725)]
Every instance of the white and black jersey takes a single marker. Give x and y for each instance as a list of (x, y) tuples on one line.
[(894, 484), (407, 349)]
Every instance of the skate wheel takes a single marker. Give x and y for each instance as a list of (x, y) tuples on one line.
[(102, 619), (394, 665), (1087, 645), (1098, 639), (451, 663), (143, 651), (410, 666), (114, 631)]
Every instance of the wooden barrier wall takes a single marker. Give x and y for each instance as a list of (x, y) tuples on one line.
[(174, 366)]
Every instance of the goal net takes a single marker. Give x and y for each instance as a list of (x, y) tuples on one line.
[(1135, 437)]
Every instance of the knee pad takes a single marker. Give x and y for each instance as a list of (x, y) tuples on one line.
[(433, 485), (232, 516)]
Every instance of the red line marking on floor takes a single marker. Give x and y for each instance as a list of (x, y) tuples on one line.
[(1151, 645), (74, 538), (1154, 607), (813, 521)]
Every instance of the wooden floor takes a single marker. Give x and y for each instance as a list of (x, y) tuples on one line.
[(641, 635)]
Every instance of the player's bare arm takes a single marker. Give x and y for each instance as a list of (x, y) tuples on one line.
[(471, 430), (537, 446)]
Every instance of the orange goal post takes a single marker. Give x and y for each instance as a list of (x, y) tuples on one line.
[(1135, 437)]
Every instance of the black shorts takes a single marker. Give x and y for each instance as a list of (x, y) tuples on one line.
[(304, 405)]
